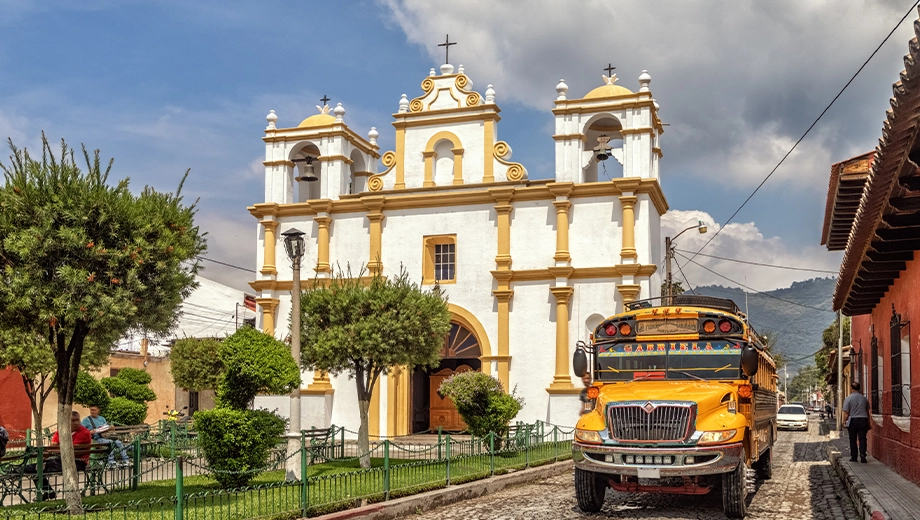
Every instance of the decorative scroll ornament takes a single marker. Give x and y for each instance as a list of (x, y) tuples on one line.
[(516, 171), (462, 81), (473, 99), (375, 182)]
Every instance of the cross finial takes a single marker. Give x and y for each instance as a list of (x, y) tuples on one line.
[(324, 99), (447, 43), (610, 68)]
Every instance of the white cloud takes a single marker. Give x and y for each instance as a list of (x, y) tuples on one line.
[(231, 240), (738, 82), (742, 241)]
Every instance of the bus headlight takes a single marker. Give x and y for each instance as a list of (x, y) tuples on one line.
[(716, 437), (588, 436)]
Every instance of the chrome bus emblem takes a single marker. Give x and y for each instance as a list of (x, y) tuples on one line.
[(648, 407)]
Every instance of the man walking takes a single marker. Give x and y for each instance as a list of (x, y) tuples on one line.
[(96, 424), (856, 420)]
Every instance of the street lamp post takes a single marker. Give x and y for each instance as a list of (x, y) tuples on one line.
[(294, 245), (669, 254)]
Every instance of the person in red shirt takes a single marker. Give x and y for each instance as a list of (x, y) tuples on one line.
[(80, 436)]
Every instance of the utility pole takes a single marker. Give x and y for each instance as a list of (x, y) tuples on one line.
[(837, 413), (668, 281)]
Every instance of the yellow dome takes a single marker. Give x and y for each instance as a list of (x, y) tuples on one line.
[(608, 91), (317, 120)]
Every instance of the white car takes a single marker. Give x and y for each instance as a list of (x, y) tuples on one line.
[(792, 417)]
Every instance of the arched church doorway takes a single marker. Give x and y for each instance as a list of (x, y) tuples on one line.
[(460, 353)]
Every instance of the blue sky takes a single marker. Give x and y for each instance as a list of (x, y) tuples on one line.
[(167, 86)]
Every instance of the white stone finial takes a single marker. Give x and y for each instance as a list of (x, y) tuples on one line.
[(447, 68), (339, 112), (644, 80), (372, 135), (404, 103), (460, 69), (561, 89), (272, 118), (490, 95), (432, 72)]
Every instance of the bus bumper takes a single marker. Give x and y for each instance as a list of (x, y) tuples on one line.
[(684, 462)]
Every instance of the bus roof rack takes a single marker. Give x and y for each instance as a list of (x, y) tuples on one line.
[(689, 300)]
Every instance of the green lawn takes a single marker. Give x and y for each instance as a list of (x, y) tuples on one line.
[(330, 486)]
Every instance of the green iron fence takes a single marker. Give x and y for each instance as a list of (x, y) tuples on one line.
[(398, 469)]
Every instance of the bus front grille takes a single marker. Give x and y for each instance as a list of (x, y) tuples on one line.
[(649, 422)]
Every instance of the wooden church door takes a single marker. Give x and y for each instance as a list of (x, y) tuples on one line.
[(443, 412)]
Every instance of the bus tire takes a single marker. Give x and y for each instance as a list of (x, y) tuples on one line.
[(734, 492), (589, 490), (764, 465)]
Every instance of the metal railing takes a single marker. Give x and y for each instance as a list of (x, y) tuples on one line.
[(330, 483)]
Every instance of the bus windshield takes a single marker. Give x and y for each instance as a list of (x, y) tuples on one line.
[(680, 360)]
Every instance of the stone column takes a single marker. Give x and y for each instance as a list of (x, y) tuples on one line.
[(269, 305), (562, 232), (458, 165), (322, 246), (429, 168), (268, 257), (375, 217), (503, 274), (562, 379), (629, 227)]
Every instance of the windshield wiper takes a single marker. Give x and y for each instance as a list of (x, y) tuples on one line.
[(688, 374)]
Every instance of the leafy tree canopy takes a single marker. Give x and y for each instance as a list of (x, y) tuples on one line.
[(255, 362), (195, 364)]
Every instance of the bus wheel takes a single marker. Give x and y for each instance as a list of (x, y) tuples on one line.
[(734, 492), (589, 490), (764, 465)]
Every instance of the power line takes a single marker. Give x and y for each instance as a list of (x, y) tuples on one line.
[(781, 161), (758, 263), (752, 289), (231, 265)]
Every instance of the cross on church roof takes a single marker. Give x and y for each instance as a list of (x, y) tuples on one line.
[(324, 99), (610, 68), (447, 43)]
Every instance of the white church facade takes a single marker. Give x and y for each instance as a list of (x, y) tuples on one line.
[(529, 266)]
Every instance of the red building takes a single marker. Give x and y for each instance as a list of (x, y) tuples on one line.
[(15, 411), (873, 215)]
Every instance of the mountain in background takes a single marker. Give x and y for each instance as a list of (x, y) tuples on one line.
[(798, 325)]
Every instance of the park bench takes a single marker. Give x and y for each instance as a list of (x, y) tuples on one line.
[(126, 434), (11, 475), (95, 467), (319, 443)]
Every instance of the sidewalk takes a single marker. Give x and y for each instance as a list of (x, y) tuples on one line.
[(876, 489)]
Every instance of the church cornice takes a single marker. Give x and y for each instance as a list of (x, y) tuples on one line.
[(467, 195), (281, 135)]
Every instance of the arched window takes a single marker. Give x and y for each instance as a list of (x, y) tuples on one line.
[(443, 163), (609, 128), (460, 343), (357, 174), (306, 174)]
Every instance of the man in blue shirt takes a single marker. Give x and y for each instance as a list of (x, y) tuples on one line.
[(96, 424)]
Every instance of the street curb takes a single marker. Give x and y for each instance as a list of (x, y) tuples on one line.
[(407, 506), (862, 499)]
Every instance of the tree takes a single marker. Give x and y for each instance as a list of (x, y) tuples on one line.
[(195, 364), (88, 261), (30, 354), (829, 339), (365, 328), (807, 380), (237, 441)]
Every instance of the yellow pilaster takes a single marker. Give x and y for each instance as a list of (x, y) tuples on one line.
[(374, 207), (269, 305), (502, 274), (458, 165), (488, 151), (373, 412), (398, 402), (562, 380), (629, 292), (268, 260), (400, 183), (629, 227), (562, 231), (322, 244), (429, 168)]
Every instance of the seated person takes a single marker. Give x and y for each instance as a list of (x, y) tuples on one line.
[(96, 424), (80, 437)]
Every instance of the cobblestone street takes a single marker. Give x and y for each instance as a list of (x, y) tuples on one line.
[(803, 487)]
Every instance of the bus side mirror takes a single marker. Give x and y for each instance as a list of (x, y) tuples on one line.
[(750, 360), (580, 362)]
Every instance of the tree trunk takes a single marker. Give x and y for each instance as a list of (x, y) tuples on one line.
[(68, 462), (364, 444), (67, 356)]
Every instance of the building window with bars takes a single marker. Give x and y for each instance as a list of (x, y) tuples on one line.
[(900, 365), (440, 259), (876, 376)]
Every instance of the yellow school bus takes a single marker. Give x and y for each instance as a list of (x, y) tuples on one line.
[(682, 400)]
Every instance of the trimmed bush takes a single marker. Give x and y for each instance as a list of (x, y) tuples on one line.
[(125, 411), (237, 443), (195, 363), (133, 375), (122, 387), (482, 402), (255, 362), (90, 392)]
